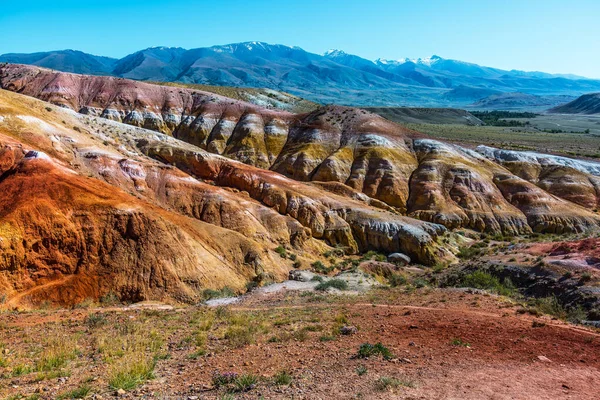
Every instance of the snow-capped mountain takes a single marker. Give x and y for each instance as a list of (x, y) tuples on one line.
[(334, 77)]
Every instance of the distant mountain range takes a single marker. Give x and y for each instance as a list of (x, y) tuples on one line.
[(334, 77)]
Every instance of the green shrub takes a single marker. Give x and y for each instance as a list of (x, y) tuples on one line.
[(334, 283), (486, 281), (281, 251), (396, 280), (95, 320), (210, 294), (367, 350), (467, 252), (459, 342)]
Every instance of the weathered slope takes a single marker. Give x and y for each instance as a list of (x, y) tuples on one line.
[(455, 187), (328, 144), (577, 181), (411, 115), (334, 145), (86, 212), (65, 238)]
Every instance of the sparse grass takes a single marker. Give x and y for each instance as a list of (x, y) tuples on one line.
[(282, 378), (361, 370), (327, 338), (281, 251), (131, 372), (523, 138), (57, 352), (244, 383), (109, 299), (387, 383), (79, 393), (240, 336), (21, 369)]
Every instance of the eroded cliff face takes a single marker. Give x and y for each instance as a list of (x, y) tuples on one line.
[(91, 206), (168, 171), (422, 178)]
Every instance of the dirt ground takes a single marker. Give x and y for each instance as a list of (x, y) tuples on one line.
[(446, 344)]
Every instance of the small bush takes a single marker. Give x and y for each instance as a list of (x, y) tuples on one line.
[(396, 280), (459, 342), (486, 281), (95, 320), (281, 251), (367, 350), (210, 294), (466, 253), (223, 379), (109, 299), (361, 370), (282, 378), (240, 336), (320, 268), (244, 383), (332, 283)]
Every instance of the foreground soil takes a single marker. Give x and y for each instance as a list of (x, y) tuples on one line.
[(446, 344)]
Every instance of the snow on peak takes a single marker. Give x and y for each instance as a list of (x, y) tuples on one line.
[(428, 61), (334, 53)]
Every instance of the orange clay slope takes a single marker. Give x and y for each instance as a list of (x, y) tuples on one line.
[(90, 206)]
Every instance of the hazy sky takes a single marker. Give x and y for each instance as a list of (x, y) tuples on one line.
[(549, 35)]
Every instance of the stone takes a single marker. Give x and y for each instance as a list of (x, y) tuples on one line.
[(399, 259), (300, 276), (348, 330)]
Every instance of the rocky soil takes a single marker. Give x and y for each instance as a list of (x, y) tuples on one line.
[(443, 343)]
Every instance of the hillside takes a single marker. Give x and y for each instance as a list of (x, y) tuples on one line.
[(266, 98), (335, 77), (196, 190), (586, 104), (518, 101), (408, 115)]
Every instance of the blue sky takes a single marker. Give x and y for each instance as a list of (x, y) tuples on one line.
[(550, 35)]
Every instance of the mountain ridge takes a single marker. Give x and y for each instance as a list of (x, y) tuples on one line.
[(335, 77)]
